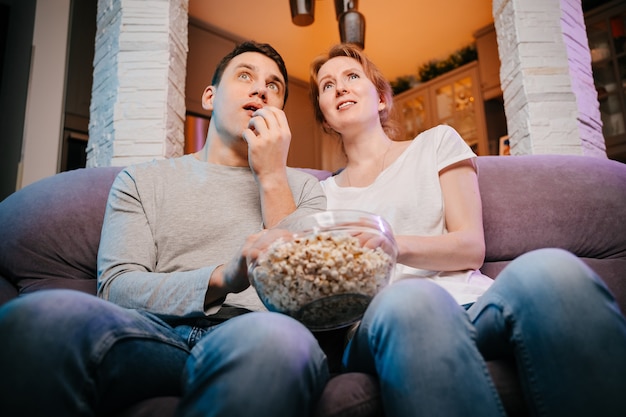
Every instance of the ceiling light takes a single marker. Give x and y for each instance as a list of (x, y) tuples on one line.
[(351, 22), (352, 28), (302, 12)]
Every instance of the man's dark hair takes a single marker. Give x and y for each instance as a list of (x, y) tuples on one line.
[(251, 46)]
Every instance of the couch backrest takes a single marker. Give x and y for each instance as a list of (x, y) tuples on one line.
[(576, 203), (573, 202), (50, 230)]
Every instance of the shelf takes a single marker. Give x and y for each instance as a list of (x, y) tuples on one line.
[(453, 99)]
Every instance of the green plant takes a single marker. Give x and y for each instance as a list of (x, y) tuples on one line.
[(403, 83), (435, 68)]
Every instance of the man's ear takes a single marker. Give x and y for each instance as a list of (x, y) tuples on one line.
[(207, 98)]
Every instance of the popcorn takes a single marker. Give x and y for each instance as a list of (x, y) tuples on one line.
[(291, 274)]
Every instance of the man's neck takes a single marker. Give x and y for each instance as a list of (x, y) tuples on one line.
[(216, 152)]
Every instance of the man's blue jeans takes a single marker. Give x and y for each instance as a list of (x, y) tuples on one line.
[(546, 310), (65, 353)]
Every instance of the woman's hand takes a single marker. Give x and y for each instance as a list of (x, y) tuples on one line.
[(373, 240)]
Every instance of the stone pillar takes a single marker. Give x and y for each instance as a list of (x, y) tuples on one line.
[(137, 107), (550, 101)]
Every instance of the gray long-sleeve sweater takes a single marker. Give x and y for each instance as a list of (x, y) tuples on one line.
[(169, 223)]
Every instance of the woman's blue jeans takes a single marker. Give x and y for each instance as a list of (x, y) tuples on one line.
[(65, 353), (546, 310)]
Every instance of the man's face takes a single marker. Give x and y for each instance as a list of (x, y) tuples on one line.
[(250, 81)]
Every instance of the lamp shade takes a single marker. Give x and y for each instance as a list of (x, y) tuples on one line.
[(352, 28), (302, 12), (342, 6)]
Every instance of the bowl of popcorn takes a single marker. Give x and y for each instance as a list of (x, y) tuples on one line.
[(326, 268)]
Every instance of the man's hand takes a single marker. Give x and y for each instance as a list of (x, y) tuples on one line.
[(258, 243), (268, 137), (233, 276)]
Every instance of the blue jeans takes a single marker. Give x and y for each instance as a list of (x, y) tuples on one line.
[(65, 353), (547, 311)]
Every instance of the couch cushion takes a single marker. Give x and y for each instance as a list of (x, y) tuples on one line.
[(50, 230), (572, 202), (351, 394), (8, 291)]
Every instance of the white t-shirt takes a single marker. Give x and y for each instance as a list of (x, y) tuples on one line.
[(408, 195)]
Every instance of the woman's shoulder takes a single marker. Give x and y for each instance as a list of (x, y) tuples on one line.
[(440, 136), (437, 132)]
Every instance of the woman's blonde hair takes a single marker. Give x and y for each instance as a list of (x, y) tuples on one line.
[(371, 70)]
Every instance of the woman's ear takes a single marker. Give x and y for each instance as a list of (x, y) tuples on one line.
[(207, 98), (381, 104)]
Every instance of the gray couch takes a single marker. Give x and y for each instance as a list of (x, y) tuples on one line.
[(50, 230)]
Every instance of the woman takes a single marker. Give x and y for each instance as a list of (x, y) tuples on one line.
[(547, 310)]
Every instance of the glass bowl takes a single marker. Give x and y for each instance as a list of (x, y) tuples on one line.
[(325, 271)]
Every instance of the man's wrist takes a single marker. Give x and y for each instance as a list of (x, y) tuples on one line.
[(217, 288)]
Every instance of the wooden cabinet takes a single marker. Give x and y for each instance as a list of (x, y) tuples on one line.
[(607, 43), (453, 99), (488, 62)]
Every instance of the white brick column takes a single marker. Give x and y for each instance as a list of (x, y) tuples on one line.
[(137, 108), (550, 101)]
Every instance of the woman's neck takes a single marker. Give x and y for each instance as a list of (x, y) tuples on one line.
[(367, 156), (365, 146)]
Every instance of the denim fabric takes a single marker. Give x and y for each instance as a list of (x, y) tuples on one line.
[(222, 377), (421, 344), (546, 310), (561, 324), (66, 353), (55, 342)]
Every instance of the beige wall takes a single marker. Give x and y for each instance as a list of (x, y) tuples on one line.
[(44, 103)]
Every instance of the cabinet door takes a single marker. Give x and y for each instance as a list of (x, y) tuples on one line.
[(607, 44), (413, 114), (456, 102), (488, 62)]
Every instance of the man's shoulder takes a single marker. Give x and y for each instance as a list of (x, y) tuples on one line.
[(153, 173), (157, 166)]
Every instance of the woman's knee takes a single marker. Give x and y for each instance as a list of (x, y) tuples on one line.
[(549, 272)]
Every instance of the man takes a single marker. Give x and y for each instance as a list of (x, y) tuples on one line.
[(172, 262)]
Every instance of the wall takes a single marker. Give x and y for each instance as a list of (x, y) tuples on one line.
[(13, 89), (43, 123)]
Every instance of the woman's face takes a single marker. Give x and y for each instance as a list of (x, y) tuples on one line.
[(347, 97)]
